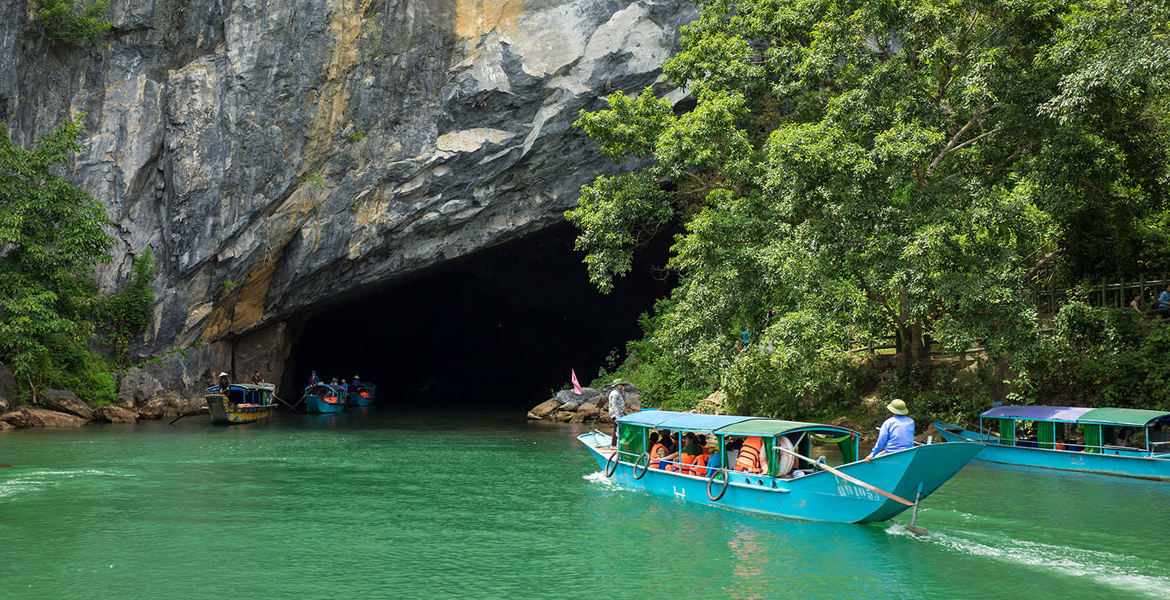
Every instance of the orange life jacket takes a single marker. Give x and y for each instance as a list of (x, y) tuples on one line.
[(655, 462), (687, 461), (700, 465), (749, 455), (364, 394)]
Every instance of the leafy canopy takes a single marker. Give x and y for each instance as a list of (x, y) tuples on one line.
[(861, 168), (51, 238)]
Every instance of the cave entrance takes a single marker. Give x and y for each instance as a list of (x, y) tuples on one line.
[(498, 330)]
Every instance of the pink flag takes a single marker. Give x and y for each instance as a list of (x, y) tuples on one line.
[(576, 386)]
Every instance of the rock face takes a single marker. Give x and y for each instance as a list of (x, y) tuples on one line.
[(114, 414), (7, 385), (272, 152)]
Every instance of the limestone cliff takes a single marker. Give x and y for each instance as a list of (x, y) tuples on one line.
[(279, 154)]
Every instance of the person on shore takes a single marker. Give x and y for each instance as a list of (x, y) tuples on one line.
[(617, 407), (225, 383), (897, 432), (1162, 306)]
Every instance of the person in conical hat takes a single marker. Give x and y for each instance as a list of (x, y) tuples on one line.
[(897, 432)]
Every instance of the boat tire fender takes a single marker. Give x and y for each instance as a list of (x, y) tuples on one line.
[(644, 461), (611, 464), (711, 483)]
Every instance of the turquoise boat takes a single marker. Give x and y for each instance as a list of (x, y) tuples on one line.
[(322, 398), (1124, 442), (362, 395), (794, 485), (241, 403)]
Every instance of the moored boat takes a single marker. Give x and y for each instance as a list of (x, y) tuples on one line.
[(1124, 442), (241, 403), (323, 398), (362, 394), (791, 483)]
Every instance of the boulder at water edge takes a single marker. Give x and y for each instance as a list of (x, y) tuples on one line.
[(39, 417), (114, 414), (66, 402)]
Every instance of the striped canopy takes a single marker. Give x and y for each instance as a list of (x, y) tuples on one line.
[(1072, 414), (721, 424)]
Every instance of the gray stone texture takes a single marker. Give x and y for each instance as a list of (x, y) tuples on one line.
[(275, 154)]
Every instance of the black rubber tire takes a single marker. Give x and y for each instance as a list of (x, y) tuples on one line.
[(723, 490), (611, 464), (645, 467)]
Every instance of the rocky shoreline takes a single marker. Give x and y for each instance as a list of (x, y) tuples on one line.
[(142, 395), (590, 406)]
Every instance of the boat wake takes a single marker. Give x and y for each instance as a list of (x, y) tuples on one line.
[(1113, 570), (37, 481), (599, 477)]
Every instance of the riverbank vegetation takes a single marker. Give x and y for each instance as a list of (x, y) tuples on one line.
[(52, 236), (850, 171)]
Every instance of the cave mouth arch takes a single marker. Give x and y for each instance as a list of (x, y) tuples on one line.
[(495, 331)]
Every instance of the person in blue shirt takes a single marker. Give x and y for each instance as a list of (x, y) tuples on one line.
[(897, 432), (313, 379)]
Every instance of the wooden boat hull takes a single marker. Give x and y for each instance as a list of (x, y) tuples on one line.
[(224, 412), (315, 405), (1118, 463), (821, 496)]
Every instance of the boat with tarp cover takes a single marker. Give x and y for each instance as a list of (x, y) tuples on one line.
[(323, 398), (1125, 442), (790, 484), (241, 403)]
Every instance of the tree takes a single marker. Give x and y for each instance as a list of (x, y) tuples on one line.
[(69, 21), (51, 238), (857, 167)]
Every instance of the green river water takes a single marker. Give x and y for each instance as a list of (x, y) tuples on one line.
[(377, 505)]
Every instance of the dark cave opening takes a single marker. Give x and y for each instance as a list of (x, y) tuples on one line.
[(496, 331)]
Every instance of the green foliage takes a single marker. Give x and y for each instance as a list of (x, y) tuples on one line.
[(865, 168), (1100, 357), (129, 310), (51, 238), (73, 22)]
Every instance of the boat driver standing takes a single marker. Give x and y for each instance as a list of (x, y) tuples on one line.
[(225, 383), (617, 407), (897, 432)]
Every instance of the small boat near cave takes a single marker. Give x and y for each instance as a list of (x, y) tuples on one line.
[(242, 403), (323, 398), (363, 394), (1124, 442), (794, 486)]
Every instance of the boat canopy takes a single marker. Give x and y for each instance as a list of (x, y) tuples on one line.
[(666, 419), (773, 427), (721, 424), (1072, 414)]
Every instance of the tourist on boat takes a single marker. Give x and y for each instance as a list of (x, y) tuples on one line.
[(690, 452), (658, 457), (733, 451), (897, 432), (313, 379), (617, 407), (751, 457), (225, 383)]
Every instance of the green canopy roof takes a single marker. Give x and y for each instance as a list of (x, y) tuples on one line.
[(1121, 416), (771, 427)]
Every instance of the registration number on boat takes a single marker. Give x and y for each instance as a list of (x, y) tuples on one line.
[(848, 489)]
